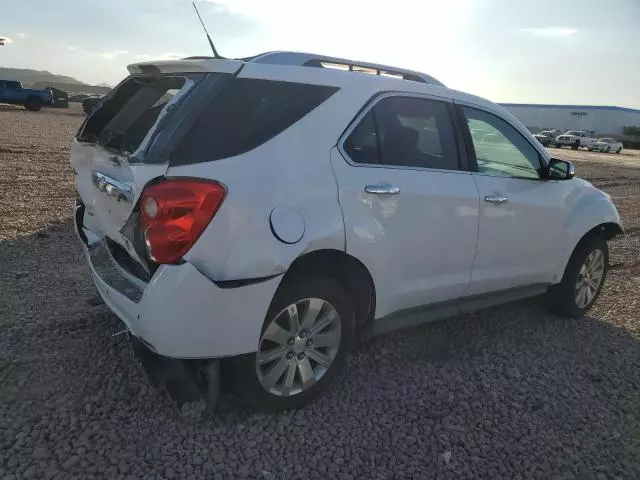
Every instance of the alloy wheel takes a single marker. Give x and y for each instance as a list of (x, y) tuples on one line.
[(589, 278), (298, 347)]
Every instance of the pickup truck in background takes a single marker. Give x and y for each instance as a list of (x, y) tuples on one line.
[(574, 139), (12, 92)]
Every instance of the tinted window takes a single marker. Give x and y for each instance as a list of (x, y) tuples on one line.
[(246, 114), (12, 85), (500, 148), (362, 144), (404, 131)]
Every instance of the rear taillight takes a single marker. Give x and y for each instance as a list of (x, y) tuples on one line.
[(174, 212)]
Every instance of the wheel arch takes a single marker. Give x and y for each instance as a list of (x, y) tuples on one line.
[(607, 230), (33, 102), (33, 99), (591, 212), (351, 272)]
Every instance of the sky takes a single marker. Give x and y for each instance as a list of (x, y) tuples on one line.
[(542, 51)]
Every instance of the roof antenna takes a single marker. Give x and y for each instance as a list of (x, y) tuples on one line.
[(213, 48)]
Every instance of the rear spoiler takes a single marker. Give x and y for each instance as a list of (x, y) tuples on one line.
[(205, 65)]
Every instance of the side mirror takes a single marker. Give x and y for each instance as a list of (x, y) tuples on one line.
[(560, 170)]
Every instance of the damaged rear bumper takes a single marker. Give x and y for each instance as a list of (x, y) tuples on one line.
[(180, 313), (184, 381)]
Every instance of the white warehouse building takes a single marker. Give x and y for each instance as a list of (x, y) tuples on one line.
[(600, 120)]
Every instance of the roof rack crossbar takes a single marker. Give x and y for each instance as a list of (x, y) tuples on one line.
[(321, 61), (358, 67)]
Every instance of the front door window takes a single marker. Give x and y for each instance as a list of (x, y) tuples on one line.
[(500, 149)]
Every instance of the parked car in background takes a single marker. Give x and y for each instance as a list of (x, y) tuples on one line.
[(606, 145), (552, 134), (79, 97), (88, 104), (269, 210), (12, 92), (574, 139), (543, 139), (59, 98)]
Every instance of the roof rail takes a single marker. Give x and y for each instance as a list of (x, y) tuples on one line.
[(322, 61)]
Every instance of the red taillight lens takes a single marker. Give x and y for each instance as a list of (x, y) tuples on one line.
[(174, 213)]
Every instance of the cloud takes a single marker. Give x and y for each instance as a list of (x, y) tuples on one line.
[(72, 48), (551, 31), (170, 56), (21, 35), (125, 55), (354, 15), (114, 54)]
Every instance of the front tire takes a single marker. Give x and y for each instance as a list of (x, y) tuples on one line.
[(576, 145), (608, 150), (306, 337), (583, 278)]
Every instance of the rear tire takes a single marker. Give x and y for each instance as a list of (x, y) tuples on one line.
[(583, 278), (33, 104), (297, 354), (608, 150), (576, 145), (619, 150)]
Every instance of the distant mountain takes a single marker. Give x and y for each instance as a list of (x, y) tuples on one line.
[(40, 79), (72, 87), (30, 77)]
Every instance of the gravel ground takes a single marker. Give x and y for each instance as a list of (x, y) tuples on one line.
[(512, 392)]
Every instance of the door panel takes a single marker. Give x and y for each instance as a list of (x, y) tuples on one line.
[(410, 213), (521, 226), (418, 244), (520, 240)]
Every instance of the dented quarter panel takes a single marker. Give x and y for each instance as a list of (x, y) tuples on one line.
[(239, 242)]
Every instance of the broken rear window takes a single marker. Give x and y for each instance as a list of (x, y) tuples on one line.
[(130, 113)]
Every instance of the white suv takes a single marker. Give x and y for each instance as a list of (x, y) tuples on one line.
[(247, 219)]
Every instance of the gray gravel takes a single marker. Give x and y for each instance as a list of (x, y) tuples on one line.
[(509, 393)]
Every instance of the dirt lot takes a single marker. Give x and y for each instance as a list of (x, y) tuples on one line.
[(512, 392)]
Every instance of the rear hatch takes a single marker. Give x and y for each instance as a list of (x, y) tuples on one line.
[(124, 143)]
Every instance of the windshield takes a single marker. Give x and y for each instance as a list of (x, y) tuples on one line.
[(573, 132)]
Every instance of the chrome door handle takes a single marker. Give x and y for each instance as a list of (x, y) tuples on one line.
[(382, 189), (495, 198)]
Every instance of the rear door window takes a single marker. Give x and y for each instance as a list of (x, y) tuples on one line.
[(407, 132), (244, 115), (127, 116)]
